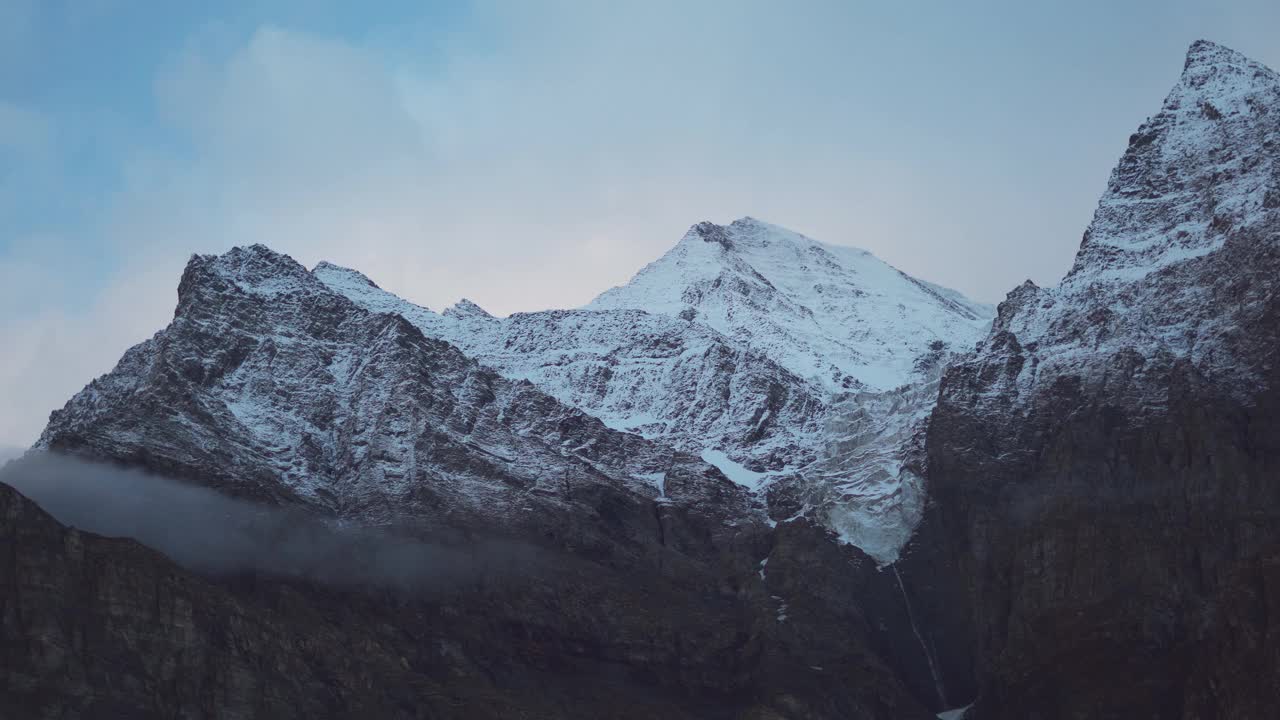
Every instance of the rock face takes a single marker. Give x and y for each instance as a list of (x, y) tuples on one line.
[(811, 366), (271, 386), (1103, 471), (96, 627)]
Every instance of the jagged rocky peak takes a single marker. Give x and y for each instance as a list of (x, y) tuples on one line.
[(1103, 468), (1203, 166), (736, 346), (712, 233), (269, 383), (1169, 267), (327, 270), (254, 269)]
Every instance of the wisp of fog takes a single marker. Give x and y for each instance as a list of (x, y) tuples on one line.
[(212, 533)]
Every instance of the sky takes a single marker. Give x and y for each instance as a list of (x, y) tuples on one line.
[(530, 154)]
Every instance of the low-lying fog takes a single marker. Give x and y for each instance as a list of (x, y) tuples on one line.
[(212, 533)]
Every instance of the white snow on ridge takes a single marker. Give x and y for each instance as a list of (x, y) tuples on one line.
[(837, 315)]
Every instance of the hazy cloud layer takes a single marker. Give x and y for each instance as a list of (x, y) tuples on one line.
[(209, 532), (530, 156)]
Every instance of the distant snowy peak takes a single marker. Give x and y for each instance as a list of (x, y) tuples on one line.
[(834, 314)]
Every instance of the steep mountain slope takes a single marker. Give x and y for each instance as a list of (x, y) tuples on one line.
[(1103, 471), (836, 315), (1200, 174), (282, 389), (270, 386)]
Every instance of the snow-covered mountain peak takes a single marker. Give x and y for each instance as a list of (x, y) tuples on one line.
[(327, 270), (834, 314), (254, 269), (465, 309), (1205, 53), (741, 345), (1201, 168), (1170, 263)]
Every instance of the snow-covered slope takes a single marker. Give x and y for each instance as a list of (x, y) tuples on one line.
[(836, 315), (654, 375)]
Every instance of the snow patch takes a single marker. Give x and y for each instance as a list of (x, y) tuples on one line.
[(734, 471)]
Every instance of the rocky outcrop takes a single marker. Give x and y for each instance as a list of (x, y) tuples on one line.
[(270, 386), (1103, 472)]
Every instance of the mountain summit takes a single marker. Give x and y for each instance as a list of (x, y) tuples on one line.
[(834, 314)]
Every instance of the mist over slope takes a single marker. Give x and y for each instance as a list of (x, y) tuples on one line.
[(9, 453), (210, 532)]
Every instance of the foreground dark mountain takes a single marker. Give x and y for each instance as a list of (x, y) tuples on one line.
[(1104, 474), (105, 628)]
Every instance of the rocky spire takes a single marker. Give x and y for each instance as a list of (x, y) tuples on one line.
[(1206, 165)]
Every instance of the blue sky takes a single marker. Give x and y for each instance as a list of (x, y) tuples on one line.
[(531, 154)]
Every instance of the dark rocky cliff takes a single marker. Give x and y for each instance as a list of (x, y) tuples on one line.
[(1104, 474), (97, 627)]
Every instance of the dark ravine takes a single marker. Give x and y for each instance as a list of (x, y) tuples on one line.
[(1101, 537)]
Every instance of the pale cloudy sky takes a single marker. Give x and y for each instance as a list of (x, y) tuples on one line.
[(532, 154)]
